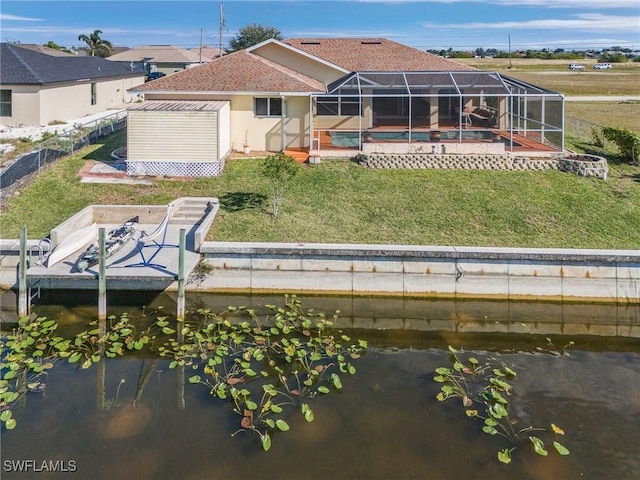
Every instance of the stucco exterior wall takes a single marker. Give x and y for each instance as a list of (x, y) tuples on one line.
[(300, 63), (262, 133), (25, 105), (40, 105), (330, 122), (266, 133), (298, 122), (170, 68)]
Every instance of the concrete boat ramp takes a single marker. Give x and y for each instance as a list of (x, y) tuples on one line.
[(127, 268)]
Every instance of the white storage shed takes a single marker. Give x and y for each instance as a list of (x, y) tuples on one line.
[(178, 138)]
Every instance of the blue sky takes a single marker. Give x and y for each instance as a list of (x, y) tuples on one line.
[(436, 24)]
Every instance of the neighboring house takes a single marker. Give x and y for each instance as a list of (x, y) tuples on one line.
[(208, 53), (158, 58), (38, 88), (81, 52), (46, 50), (333, 94)]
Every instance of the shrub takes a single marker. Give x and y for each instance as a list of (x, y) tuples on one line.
[(596, 137), (280, 170), (628, 142), (47, 136)]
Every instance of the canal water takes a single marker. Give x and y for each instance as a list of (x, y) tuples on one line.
[(385, 423)]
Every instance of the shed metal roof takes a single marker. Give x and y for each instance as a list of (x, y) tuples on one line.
[(180, 105)]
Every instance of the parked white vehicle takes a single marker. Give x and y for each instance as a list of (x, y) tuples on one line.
[(576, 66), (602, 66)]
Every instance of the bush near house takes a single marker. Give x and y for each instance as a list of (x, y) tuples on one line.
[(628, 142)]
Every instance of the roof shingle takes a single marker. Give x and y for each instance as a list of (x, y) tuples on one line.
[(157, 54), (237, 72), (373, 54), (21, 66)]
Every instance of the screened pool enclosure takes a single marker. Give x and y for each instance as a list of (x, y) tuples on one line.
[(462, 107)]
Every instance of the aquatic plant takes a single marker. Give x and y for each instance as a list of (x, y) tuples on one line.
[(486, 386), (551, 348), (33, 347), (26, 353), (265, 369)]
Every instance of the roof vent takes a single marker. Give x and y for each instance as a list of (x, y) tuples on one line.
[(371, 43), (309, 43)]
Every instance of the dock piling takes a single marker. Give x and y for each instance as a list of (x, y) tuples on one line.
[(102, 275), (181, 292), (23, 294)]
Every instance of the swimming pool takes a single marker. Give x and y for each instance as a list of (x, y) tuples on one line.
[(351, 139)]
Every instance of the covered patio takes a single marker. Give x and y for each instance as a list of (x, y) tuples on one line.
[(436, 112)]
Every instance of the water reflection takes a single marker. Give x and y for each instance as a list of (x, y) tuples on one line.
[(376, 313), (386, 423)]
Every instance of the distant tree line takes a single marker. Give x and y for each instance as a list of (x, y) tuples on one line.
[(612, 55)]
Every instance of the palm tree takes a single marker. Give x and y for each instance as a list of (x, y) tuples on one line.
[(96, 45)]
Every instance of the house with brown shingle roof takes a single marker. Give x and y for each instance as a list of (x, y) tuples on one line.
[(167, 59), (338, 94), (207, 52)]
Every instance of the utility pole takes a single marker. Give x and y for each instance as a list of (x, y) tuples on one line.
[(509, 50), (201, 45), (222, 24)]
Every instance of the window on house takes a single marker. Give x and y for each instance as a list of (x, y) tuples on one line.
[(5, 103), (344, 106), (93, 94), (267, 106)]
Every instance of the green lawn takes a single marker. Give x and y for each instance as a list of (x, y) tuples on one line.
[(337, 201)]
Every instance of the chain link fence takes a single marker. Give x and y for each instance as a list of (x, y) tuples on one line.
[(585, 132), (19, 170), (591, 134)]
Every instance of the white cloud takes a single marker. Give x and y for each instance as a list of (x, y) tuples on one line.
[(342, 33), (17, 18), (584, 22), (537, 3)]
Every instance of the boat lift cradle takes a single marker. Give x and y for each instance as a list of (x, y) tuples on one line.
[(150, 240)]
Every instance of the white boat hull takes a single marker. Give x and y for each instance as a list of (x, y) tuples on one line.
[(78, 240)]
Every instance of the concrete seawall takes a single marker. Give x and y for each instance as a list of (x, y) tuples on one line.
[(424, 271), (402, 271)]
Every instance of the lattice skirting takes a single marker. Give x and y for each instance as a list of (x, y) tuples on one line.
[(176, 169)]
